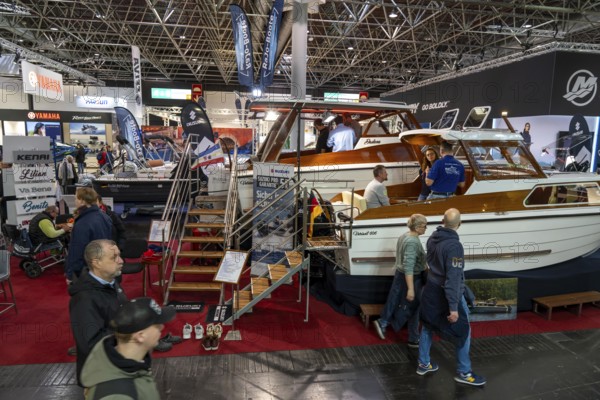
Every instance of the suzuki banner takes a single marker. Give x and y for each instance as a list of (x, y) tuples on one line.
[(267, 65), (137, 108), (243, 45), (42, 82)]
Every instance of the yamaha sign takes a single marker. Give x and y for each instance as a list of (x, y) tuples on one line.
[(581, 88)]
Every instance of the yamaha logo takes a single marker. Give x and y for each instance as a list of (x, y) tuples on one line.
[(581, 88), (31, 115), (33, 79)]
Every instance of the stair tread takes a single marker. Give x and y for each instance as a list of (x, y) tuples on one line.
[(207, 254), (206, 211), (209, 225), (194, 286), (208, 198), (195, 269), (203, 239), (294, 258)]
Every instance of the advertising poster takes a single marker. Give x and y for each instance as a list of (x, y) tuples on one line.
[(240, 136), (44, 128), (273, 230), (90, 135)]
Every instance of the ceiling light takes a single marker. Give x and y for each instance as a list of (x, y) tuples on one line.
[(271, 115), (194, 59), (527, 26), (257, 92), (310, 39), (53, 28), (393, 15), (350, 48), (328, 116), (383, 61), (181, 36)]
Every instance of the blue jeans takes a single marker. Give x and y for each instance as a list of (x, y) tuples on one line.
[(462, 353), (437, 196), (80, 168), (398, 310)]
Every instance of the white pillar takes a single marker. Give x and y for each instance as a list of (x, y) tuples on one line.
[(299, 53)]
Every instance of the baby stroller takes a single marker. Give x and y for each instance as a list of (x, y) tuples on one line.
[(35, 259)]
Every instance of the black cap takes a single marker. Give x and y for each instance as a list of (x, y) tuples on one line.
[(139, 314)]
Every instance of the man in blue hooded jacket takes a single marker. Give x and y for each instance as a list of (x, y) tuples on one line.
[(443, 305)]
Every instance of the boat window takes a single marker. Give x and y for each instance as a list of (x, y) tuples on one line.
[(498, 160), (567, 194)]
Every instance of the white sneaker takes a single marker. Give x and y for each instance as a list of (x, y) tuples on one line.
[(187, 331), (199, 330)]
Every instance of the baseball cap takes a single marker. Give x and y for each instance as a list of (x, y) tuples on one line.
[(139, 314)]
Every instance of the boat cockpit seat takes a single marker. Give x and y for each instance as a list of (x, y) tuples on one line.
[(155, 163), (355, 201)]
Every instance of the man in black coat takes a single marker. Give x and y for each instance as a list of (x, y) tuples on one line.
[(443, 305), (80, 159), (95, 297)]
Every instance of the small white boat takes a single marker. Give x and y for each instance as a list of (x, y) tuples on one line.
[(514, 216)]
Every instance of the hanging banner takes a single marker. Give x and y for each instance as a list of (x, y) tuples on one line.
[(195, 121), (267, 65), (243, 45), (42, 82), (137, 82), (130, 130)]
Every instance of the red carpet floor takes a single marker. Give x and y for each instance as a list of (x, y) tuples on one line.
[(40, 332)]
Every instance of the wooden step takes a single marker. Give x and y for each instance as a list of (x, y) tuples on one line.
[(195, 287), (209, 199), (203, 239), (196, 269), (294, 258), (277, 271), (205, 225), (259, 285), (245, 298), (206, 211), (200, 254)]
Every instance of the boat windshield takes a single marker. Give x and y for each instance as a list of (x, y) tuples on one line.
[(498, 160)]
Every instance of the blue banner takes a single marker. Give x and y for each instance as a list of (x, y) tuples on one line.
[(243, 45), (130, 130), (267, 65)]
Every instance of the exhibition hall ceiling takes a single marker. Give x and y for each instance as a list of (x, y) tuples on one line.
[(356, 44)]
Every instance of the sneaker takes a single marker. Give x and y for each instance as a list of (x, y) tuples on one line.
[(413, 345), (215, 343), (470, 378), (218, 330), (171, 339), (163, 346), (187, 331), (199, 331), (425, 369), (207, 343), (380, 329)]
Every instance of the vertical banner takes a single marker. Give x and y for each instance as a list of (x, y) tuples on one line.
[(130, 130), (195, 120), (272, 233), (243, 45), (267, 65), (137, 82)]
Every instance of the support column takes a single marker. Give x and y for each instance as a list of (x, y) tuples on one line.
[(299, 52)]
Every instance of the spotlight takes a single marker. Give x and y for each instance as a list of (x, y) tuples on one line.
[(328, 116), (257, 92)]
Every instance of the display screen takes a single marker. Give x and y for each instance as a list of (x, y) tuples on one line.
[(171, 94)]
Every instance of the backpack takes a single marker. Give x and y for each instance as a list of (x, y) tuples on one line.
[(99, 156)]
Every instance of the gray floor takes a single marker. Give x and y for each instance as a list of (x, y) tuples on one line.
[(542, 366)]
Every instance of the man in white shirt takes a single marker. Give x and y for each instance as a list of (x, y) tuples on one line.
[(375, 192), (342, 137)]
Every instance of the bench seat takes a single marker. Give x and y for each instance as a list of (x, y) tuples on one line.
[(565, 300)]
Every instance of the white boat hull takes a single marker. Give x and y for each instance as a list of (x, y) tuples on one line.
[(513, 241)]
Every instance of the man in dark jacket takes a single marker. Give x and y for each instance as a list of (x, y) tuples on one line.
[(90, 224), (80, 159), (95, 297), (443, 305), (119, 365)]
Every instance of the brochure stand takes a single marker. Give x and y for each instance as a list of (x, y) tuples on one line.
[(230, 270)]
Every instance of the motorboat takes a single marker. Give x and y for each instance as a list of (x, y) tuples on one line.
[(379, 144), (515, 216), (489, 306)]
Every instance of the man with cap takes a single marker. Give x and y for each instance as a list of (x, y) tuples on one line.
[(119, 365)]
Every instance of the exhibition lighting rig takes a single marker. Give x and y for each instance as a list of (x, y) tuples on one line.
[(28, 55)]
